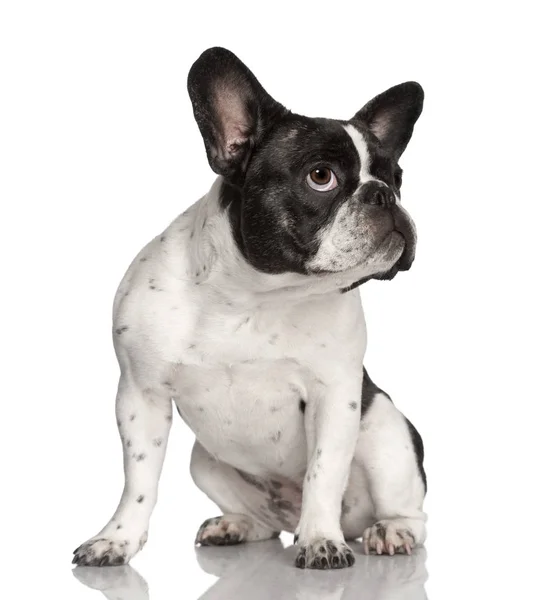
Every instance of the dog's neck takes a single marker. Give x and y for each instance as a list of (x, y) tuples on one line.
[(214, 261)]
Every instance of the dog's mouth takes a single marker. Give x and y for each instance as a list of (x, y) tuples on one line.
[(404, 228)]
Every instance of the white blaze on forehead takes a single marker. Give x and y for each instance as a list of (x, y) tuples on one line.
[(361, 147)]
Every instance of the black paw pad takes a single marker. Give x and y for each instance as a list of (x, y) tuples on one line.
[(325, 554)]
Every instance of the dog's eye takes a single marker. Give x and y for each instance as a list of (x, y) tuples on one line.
[(322, 179)]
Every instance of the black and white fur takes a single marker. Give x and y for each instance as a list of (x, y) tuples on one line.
[(245, 312)]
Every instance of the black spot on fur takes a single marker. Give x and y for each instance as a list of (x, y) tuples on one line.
[(162, 238), (157, 442), (353, 405), (302, 406), (369, 390), (276, 436), (251, 480), (119, 526), (140, 499), (418, 451), (121, 329), (143, 259), (132, 417), (152, 287), (140, 457)]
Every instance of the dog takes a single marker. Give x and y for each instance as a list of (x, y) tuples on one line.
[(246, 314)]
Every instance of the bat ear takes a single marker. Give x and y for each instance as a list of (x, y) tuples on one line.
[(232, 110), (391, 115)]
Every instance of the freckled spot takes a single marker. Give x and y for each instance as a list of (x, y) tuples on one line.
[(132, 417), (144, 259), (121, 329), (274, 409), (229, 422), (126, 294), (276, 436), (119, 526), (118, 423), (200, 408), (353, 405), (192, 346), (140, 499), (308, 478), (151, 280), (162, 238), (323, 345), (302, 405), (128, 443), (192, 234), (140, 457), (157, 442), (152, 287), (168, 417)]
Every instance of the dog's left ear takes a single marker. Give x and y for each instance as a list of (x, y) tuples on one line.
[(391, 115), (232, 110)]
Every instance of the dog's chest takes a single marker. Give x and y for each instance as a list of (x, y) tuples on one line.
[(242, 385)]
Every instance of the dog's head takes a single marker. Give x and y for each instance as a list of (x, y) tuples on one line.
[(307, 195)]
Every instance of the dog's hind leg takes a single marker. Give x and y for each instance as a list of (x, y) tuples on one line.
[(144, 420), (238, 495), (390, 451)]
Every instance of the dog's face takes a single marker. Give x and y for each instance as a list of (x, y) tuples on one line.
[(307, 195)]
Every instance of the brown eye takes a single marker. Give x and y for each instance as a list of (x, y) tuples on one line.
[(322, 179)]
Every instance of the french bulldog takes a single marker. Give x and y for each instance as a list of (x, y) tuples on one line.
[(246, 314)]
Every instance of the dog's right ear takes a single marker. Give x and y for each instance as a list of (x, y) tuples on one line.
[(232, 110)]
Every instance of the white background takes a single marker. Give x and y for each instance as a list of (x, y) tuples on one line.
[(99, 152)]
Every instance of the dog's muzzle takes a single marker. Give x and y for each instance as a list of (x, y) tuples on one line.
[(381, 196)]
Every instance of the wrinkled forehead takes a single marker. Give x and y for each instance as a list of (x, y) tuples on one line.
[(304, 142)]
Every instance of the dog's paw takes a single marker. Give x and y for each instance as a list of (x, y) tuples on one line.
[(223, 531), (107, 552), (389, 537), (324, 554)]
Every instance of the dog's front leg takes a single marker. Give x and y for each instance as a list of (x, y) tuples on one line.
[(332, 421), (144, 420)]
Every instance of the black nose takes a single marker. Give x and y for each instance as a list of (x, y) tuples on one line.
[(377, 194)]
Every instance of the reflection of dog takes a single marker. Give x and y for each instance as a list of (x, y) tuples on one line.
[(265, 571), (245, 312)]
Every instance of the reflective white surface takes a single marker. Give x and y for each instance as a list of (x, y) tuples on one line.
[(266, 570)]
